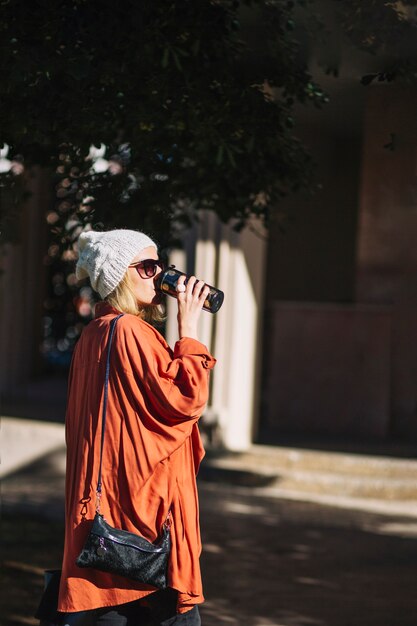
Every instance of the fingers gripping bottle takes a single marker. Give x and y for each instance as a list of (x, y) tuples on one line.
[(166, 282)]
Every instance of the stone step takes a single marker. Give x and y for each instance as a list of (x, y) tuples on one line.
[(316, 472), (272, 459), (357, 486)]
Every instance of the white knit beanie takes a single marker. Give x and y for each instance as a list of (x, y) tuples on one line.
[(105, 257)]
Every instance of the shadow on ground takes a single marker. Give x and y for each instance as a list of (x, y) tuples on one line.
[(266, 562), (396, 448), (284, 563)]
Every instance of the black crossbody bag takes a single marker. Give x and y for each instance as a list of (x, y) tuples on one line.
[(119, 551)]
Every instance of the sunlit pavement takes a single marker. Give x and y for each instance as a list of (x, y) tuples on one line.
[(266, 561)]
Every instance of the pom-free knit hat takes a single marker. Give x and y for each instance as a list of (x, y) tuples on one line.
[(105, 257)]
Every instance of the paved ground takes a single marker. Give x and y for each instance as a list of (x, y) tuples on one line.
[(266, 562)]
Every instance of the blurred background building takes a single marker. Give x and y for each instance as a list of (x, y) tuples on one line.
[(341, 311), (317, 337)]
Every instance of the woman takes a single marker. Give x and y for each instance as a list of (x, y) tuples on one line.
[(152, 445)]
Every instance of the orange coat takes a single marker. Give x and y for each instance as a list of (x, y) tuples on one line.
[(152, 452)]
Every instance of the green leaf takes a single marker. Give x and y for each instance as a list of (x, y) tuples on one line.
[(219, 156), (165, 58)]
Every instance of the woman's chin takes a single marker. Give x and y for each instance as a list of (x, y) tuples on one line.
[(157, 299)]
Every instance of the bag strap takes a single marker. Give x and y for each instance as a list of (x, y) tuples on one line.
[(168, 521), (104, 412)]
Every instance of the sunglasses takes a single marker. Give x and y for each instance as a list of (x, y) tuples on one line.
[(148, 267)]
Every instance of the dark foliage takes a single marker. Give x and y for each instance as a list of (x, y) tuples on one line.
[(194, 101)]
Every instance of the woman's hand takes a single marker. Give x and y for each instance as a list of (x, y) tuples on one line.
[(190, 305)]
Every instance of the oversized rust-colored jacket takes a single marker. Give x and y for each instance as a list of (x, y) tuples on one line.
[(152, 451)]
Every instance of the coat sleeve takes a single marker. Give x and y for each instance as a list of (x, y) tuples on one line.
[(175, 383)]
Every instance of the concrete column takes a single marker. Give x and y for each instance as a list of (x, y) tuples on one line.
[(237, 342), (234, 263), (205, 267)]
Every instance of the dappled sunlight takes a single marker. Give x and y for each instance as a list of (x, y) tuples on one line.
[(406, 528), (213, 548), (301, 570), (301, 553), (244, 509), (217, 611), (265, 562), (303, 580)]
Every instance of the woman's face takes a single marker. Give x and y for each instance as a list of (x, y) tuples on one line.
[(144, 288)]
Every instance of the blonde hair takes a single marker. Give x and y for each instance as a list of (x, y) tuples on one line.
[(123, 299)]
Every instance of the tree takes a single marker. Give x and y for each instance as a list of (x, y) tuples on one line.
[(193, 100)]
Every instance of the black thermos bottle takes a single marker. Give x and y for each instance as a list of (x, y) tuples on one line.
[(167, 281)]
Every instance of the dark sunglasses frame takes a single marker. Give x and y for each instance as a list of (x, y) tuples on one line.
[(148, 267)]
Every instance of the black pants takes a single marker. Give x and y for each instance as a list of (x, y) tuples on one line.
[(161, 611)]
